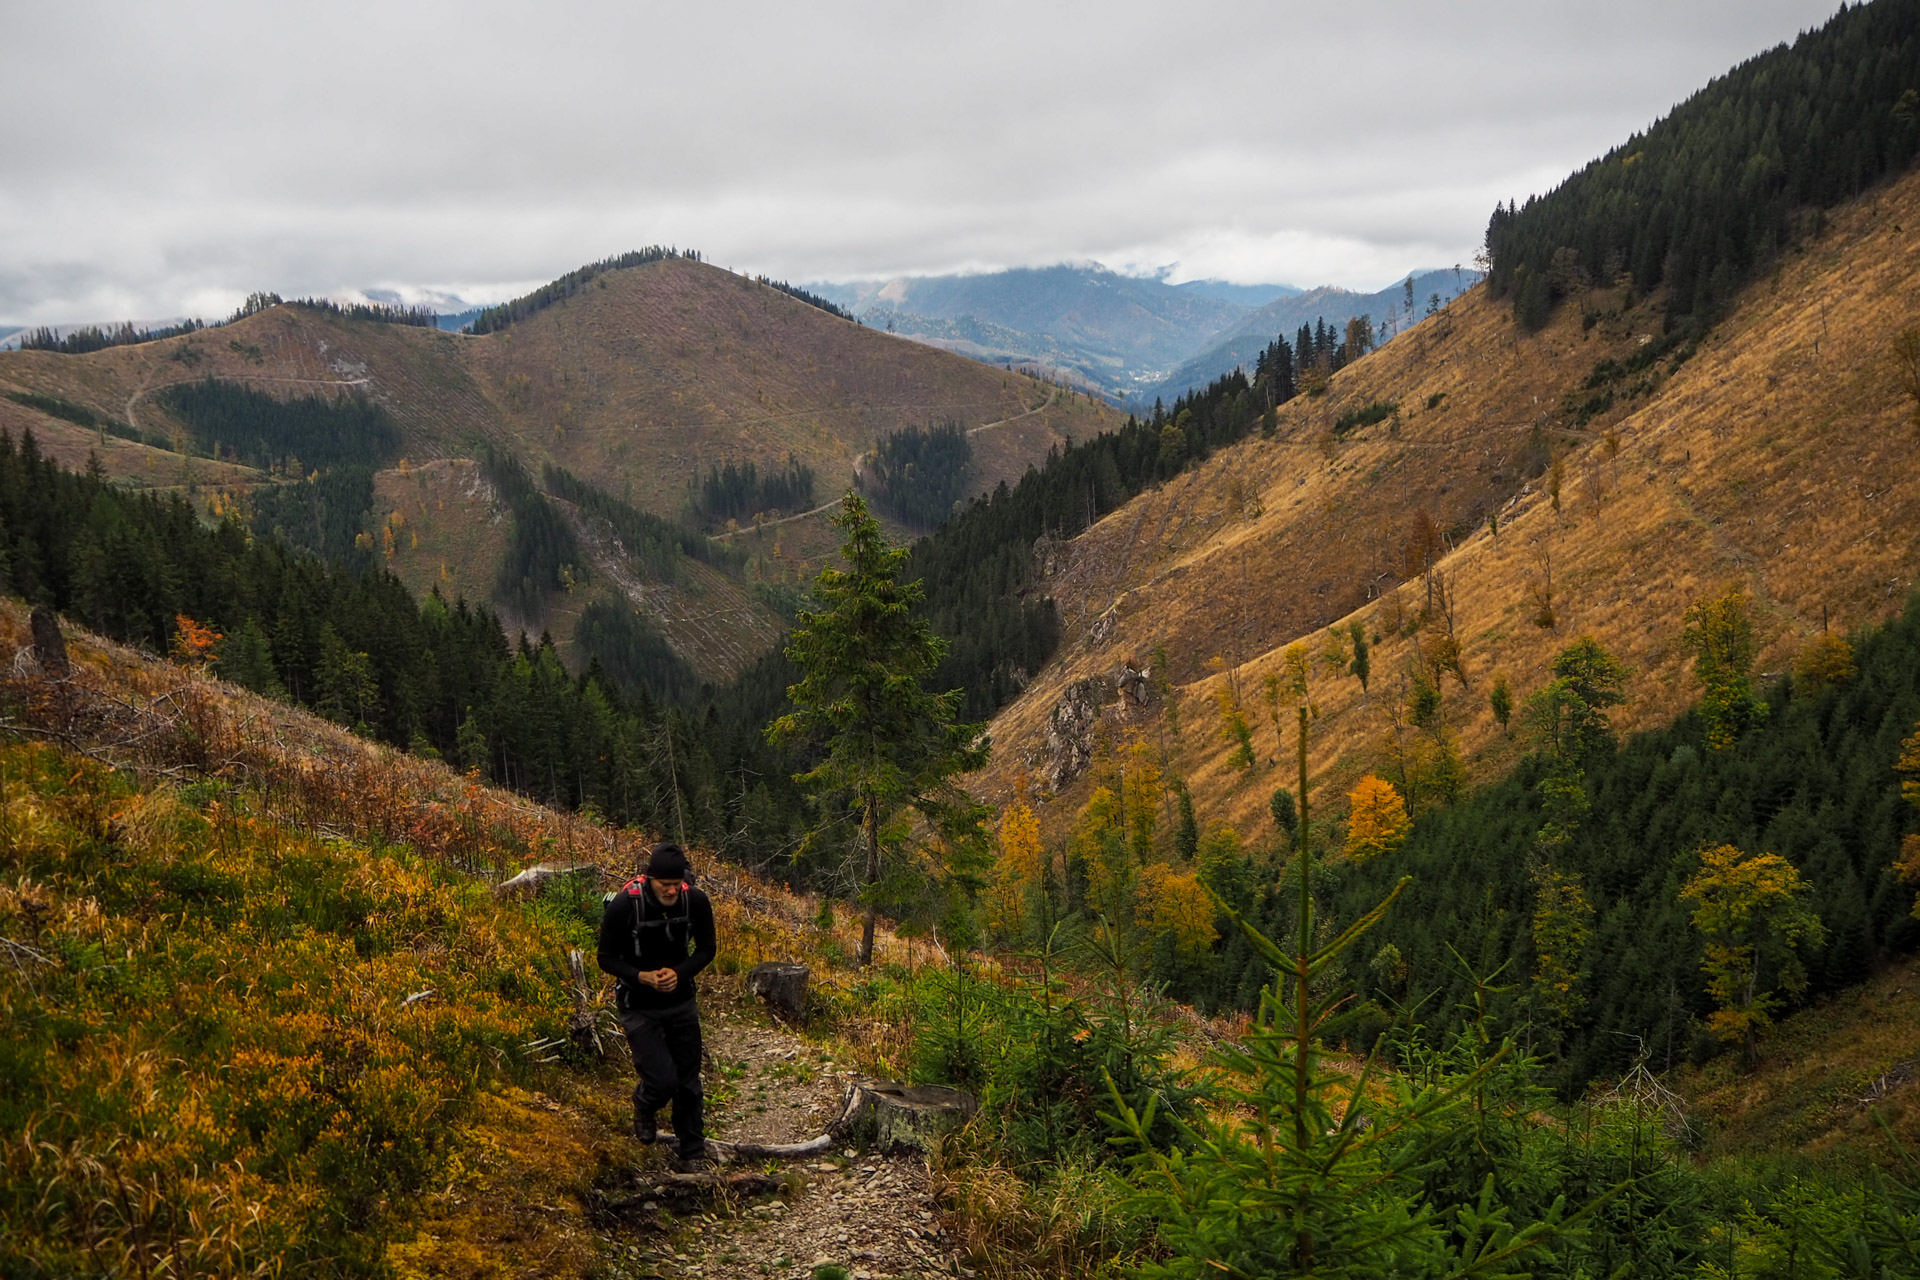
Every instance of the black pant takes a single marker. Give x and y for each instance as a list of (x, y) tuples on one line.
[(666, 1053)]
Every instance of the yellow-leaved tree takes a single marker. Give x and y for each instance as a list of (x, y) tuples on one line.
[(1233, 717), (1379, 822), (1751, 914), (1140, 796), (1098, 845), (1174, 905), (1822, 663), (1019, 875), (1719, 634)]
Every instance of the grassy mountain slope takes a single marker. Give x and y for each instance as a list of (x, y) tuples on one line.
[(643, 377), (1778, 457), (211, 1036), (676, 366), (267, 1015)]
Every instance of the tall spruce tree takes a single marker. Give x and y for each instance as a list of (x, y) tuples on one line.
[(889, 744)]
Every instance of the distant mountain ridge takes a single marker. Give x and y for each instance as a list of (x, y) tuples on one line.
[(1241, 345), (1113, 332), (1131, 338), (1247, 295)]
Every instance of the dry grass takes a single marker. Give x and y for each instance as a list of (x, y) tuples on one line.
[(658, 372), (1779, 457), (518, 1190)]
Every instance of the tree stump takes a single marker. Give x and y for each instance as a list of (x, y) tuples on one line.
[(910, 1117), (49, 646), (784, 989), (883, 1115)]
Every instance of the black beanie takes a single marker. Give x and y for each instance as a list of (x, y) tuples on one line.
[(667, 862)]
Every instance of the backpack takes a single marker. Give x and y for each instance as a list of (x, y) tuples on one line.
[(668, 919)]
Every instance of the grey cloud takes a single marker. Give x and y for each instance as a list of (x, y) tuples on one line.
[(163, 156)]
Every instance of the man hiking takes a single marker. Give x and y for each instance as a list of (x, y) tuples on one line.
[(655, 934)]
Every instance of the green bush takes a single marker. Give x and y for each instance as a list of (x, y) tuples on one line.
[(1365, 416)]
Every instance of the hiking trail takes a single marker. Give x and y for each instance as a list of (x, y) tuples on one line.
[(871, 1214)]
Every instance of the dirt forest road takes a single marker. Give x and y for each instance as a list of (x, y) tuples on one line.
[(853, 467)]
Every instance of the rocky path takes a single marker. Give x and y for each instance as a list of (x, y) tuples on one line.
[(870, 1215)]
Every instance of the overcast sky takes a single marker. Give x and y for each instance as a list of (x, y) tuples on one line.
[(162, 159)]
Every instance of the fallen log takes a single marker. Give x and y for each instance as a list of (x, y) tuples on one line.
[(533, 879)]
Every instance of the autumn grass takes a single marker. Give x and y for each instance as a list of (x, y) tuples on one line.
[(678, 365), (235, 1047), (452, 528)]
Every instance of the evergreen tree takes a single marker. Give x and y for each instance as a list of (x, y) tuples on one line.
[(233, 421), (889, 744), (247, 659), (921, 474), (1305, 1170), (344, 687)]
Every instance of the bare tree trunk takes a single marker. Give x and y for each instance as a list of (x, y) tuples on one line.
[(871, 823)]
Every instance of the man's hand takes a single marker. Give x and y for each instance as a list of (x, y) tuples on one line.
[(661, 980)]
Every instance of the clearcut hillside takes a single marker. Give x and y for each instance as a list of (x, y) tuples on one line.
[(1779, 457)]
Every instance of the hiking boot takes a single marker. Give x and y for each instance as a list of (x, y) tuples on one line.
[(645, 1128), (692, 1164)]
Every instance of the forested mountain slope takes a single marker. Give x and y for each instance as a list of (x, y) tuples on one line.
[(1631, 478)]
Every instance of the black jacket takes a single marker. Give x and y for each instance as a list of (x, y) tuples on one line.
[(679, 938)]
